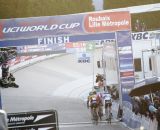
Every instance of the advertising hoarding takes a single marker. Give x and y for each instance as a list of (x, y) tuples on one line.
[(47, 119)]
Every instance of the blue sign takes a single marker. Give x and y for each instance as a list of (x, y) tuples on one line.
[(84, 58), (126, 67), (56, 40), (94, 22)]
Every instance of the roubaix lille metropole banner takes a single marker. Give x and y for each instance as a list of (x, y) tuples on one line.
[(58, 30)]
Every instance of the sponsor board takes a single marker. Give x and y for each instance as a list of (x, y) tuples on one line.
[(48, 40), (90, 46), (148, 35), (53, 40), (35, 120), (33, 49), (80, 47), (125, 56), (126, 67), (84, 58), (140, 36), (75, 47), (127, 74), (55, 25), (18, 59), (99, 22)]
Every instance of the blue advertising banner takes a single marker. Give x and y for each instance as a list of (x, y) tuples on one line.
[(53, 40), (94, 22), (40, 26), (126, 67)]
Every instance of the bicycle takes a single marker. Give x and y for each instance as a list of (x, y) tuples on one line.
[(107, 110), (100, 112), (110, 118), (95, 115)]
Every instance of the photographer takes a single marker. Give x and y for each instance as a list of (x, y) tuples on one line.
[(7, 80), (5, 74), (5, 70), (11, 80)]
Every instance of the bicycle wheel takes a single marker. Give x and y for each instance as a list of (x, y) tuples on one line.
[(100, 113), (110, 118), (95, 116), (106, 113)]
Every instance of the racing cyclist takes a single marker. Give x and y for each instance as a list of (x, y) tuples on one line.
[(92, 102), (100, 104), (107, 101)]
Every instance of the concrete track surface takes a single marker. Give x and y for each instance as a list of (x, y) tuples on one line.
[(61, 84)]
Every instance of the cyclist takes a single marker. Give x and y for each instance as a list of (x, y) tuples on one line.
[(88, 99), (100, 105), (107, 99), (92, 102)]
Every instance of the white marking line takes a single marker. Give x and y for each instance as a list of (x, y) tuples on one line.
[(83, 124)]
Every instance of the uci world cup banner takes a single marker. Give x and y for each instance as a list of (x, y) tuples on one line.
[(57, 27)]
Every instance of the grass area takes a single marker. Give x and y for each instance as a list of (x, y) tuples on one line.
[(33, 8), (112, 4)]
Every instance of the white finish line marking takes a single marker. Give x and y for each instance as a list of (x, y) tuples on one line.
[(82, 124)]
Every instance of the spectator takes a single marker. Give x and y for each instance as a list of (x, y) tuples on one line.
[(152, 109), (136, 105), (143, 107), (138, 25), (158, 118)]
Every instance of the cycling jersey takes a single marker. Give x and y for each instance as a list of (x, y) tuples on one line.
[(93, 99), (107, 99), (106, 96)]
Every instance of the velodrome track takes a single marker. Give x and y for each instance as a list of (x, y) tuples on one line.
[(59, 83)]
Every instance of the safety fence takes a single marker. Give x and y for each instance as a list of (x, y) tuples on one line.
[(133, 121), (23, 61)]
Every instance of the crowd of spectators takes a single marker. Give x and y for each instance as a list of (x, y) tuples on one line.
[(148, 106)]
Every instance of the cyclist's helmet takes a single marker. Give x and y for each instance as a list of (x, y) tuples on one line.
[(94, 92), (91, 93)]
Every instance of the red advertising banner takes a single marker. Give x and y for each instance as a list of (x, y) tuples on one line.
[(107, 21), (75, 45), (127, 74)]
